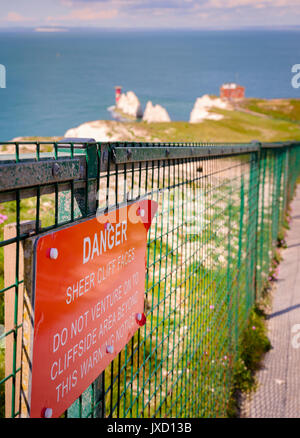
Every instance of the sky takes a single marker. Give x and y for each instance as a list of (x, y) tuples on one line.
[(174, 14)]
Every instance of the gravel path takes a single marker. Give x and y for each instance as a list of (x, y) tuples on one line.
[(278, 393)]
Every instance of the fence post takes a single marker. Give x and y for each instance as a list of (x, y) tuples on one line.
[(260, 245), (286, 179), (257, 176), (229, 292), (14, 299), (72, 204), (275, 196), (239, 261)]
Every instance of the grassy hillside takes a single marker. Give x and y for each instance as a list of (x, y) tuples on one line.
[(281, 109), (261, 119), (253, 119), (236, 126)]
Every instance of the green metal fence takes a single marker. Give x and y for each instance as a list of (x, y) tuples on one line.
[(221, 209)]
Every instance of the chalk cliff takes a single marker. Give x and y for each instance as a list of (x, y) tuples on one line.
[(110, 130), (96, 129), (202, 109), (128, 103), (155, 113)]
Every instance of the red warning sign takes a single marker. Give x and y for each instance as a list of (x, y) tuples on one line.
[(89, 284)]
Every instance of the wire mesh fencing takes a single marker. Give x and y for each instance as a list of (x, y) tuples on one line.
[(221, 209)]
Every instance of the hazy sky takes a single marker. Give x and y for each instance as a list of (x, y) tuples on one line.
[(201, 14)]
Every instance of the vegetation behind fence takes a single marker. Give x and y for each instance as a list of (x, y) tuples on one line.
[(221, 209)]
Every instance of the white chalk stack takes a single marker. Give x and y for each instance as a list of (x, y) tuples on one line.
[(129, 104), (155, 113), (203, 106)]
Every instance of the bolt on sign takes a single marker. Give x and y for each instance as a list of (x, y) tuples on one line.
[(88, 301)]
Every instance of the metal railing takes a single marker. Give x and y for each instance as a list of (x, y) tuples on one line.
[(221, 208)]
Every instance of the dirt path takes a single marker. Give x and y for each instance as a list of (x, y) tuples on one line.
[(278, 393)]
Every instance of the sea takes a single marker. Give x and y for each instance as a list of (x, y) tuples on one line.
[(57, 80)]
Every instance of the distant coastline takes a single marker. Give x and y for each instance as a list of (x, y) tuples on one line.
[(69, 77), (50, 29), (265, 119)]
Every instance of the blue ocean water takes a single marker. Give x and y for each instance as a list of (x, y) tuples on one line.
[(55, 81)]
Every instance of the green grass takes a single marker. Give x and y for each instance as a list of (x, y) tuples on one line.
[(281, 124), (236, 126), (27, 212), (174, 377), (190, 378), (254, 344), (186, 358), (281, 109)]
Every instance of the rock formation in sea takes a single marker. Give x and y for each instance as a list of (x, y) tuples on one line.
[(202, 108), (155, 113), (129, 104)]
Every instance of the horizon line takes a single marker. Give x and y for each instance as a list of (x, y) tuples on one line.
[(120, 29)]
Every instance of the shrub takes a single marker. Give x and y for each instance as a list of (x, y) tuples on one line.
[(254, 344)]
